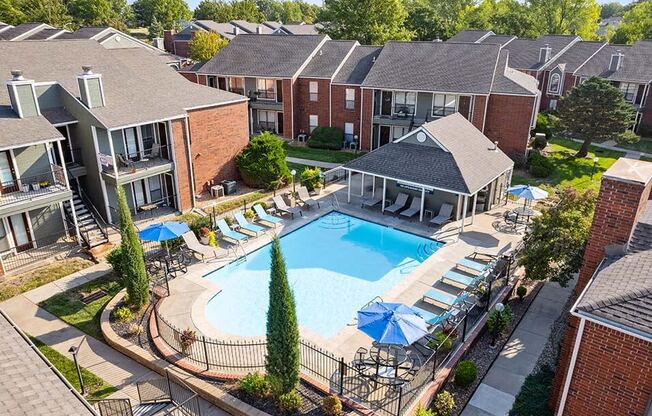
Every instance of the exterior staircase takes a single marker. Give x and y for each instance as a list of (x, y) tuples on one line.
[(92, 232)]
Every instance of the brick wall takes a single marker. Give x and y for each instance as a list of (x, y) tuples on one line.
[(288, 100), (304, 108), (190, 76), (645, 127), (568, 82), (168, 36), (182, 167), (367, 116), (508, 122), (181, 48), (611, 374), (479, 106), (338, 106)]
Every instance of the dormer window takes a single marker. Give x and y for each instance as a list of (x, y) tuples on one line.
[(554, 85)]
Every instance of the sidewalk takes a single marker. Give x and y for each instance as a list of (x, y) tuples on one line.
[(612, 145), (496, 394), (319, 164)]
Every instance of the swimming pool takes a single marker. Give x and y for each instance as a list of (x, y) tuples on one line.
[(336, 265)]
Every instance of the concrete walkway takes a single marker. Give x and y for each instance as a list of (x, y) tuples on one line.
[(319, 164), (496, 394), (612, 145)]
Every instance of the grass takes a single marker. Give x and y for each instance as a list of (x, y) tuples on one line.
[(572, 171), (298, 167), (322, 155), (238, 202), (68, 306), (643, 145), (646, 158), (96, 388), (42, 275), (533, 398)]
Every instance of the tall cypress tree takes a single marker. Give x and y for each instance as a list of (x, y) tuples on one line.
[(133, 259), (282, 329)]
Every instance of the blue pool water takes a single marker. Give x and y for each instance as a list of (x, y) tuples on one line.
[(336, 264)]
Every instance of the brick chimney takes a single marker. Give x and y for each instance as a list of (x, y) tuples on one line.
[(624, 193), (168, 40)]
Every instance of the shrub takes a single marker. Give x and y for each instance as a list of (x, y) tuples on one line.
[(135, 329), (262, 163), (465, 373), (249, 214), (521, 291), (290, 402), (123, 314), (331, 405), (534, 396), (497, 322), (444, 404), (546, 124), (311, 178), (422, 411), (442, 340), (326, 138), (212, 239), (628, 137), (188, 337), (114, 258), (254, 385), (539, 165), (540, 142)]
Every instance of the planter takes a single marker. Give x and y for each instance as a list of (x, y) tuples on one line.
[(203, 240), (36, 186), (24, 188)]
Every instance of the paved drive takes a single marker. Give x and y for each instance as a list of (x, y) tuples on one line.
[(495, 395)]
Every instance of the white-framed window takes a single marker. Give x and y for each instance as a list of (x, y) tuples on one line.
[(443, 104), (552, 105), (313, 86), (212, 81), (399, 131), (350, 99), (266, 120), (266, 89), (554, 84), (582, 80), (405, 103), (314, 122), (236, 85), (629, 91)]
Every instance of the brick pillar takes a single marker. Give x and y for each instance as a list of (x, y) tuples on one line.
[(168, 39), (367, 115)]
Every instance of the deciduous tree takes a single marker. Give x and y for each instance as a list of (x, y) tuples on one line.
[(52, 12), (204, 45), (167, 12), (216, 10), (505, 17), (247, 10), (612, 9), (437, 19), (575, 17), (10, 13), (636, 24)]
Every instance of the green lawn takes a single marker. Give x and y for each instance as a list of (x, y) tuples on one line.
[(70, 309), (298, 167), (571, 171), (96, 388), (643, 145), (322, 155), (24, 282), (646, 158)]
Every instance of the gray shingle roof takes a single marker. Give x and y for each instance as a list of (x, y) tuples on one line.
[(252, 27), (524, 53), (512, 81), (470, 35), (358, 64), (18, 132), (576, 55), (636, 67), (29, 385), (87, 32), (328, 59), (14, 32), (223, 29), (501, 40), (641, 239), (468, 165), (434, 66), (45, 34), (305, 29), (263, 55)]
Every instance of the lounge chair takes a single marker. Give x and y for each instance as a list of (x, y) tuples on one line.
[(432, 319), (445, 215), (461, 279), (399, 204), (125, 161), (370, 202), (246, 225), (305, 197), (155, 151), (474, 265), (283, 207), (415, 207), (263, 216), (227, 232), (443, 299), (195, 246)]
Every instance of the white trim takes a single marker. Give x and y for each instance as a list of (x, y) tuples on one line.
[(126, 126), (66, 123), (433, 138), (330, 104), (99, 35), (18, 146), (589, 58), (571, 367), (559, 84), (172, 152), (30, 229), (19, 110), (464, 211), (418, 185), (558, 54), (346, 57), (361, 113), (484, 94), (309, 58), (31, 32), (384, 193), (423, 197), (15, 165), (457, 104), (291, 108)]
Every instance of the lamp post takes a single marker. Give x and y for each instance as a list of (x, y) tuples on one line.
[(74, 350), (595, 163), (294, 190)]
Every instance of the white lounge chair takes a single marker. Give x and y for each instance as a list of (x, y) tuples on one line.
[(305, 197), (281, 206), (415, 207), (399, 204), (445, 214), (195, 246)]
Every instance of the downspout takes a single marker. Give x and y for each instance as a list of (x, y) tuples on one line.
[(361, 114), (571, 367), (330, 103), (192, 173), (292, 107)]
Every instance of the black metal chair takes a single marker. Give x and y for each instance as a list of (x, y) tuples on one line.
[(360, 363)]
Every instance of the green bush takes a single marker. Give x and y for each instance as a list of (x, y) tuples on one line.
[(534, 396), (123, 314), (311, 178), (254, 385), (539, 165), (114, 258), (521, 291), (262, 163), (628, 137), (540, 142), (444, 404), (422, 411), (497, 322), (326, 138), (290, 402), (546, 124), (465, 373), (442, 341), (331, 405)]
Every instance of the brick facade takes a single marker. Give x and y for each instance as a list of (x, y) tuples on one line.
[(508, 122), (567, 83), (479, 108), (182, 165), (289, 128), (645, 126), (367, 116), (191, 76), (342, 115), (304, 108)]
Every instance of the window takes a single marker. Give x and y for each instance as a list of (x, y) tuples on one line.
[(398, 132), (266, 89), (314, 122), (314, 90), (212, 81), (155, 189), (629, 91), (349, 138), (147, 134), (552, 105), (236, 85), (405, 102), (266, 120), (554, 86), (443, 105), (350, 99)]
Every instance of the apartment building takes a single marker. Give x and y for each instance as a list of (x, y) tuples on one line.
[(373, 94), (78, 120)]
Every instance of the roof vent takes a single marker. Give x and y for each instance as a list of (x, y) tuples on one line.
[(495, 149), (544, 53), (320, 52), (373, 59), (615, 250), (236, 30), (17, 75), (616, 61), (88, 69), (259, 29)]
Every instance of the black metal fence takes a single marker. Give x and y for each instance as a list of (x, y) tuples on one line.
[(113, 407), (38, 249)]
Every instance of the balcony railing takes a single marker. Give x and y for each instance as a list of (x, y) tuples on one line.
[(74, 157), (128, 163), (265, 94), (39, 249), (29, 187), (149, 210), (237, 91), (404, 110)]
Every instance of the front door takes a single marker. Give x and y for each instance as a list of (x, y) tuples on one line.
[(279, 123), (385, 135), (7, 174), (386, 104), (131, 143), (163, 139), (19, 230), (169, 190)]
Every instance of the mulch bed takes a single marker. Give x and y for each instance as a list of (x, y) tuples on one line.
[(482, 354)]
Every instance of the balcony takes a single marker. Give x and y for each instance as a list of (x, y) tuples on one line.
[(33, 191), (139, 165)]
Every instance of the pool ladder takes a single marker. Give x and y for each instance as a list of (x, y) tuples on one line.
[(335, 221)]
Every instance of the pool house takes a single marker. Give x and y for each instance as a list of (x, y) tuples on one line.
[(446, 167)]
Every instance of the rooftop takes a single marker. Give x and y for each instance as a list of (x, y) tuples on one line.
[(328, 59), (358, 65), (470, 35), (636, 65), (524, 53)]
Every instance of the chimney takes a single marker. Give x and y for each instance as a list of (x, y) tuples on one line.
[(22, 95), (544, 53), (236, 30), (168, 40), (616, 61), (259, 29), (624, 193), (91, 90), (495, 146)]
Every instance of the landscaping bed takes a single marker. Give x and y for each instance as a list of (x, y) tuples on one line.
[(321, 155), (481, 352)]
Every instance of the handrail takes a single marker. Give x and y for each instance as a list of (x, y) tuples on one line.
[(94, 213)]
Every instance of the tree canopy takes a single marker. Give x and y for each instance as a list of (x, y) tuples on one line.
[(573, 17), (503, 17), (167, 12), (612, 9), (216, 10), (204, 45), (636, 24)]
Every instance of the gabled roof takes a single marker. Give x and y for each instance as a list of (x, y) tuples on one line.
[(357, 65), (88, 32), (300, 29), (272, 24), (470, 36), (4, 26), (263, 55), (576, 55), (252, 27), (524, 53), (328, 59), (501, 40), (223, 29), (434, 66), (636, 66), (46, 34), (512, 81), (18, 32), (464, 163)]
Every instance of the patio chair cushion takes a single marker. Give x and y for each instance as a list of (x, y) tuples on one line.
[(228, 232), (474, 265), (445, 214), (400, 202), (462, 278), (415, 207), (243, 223), (263, 216)]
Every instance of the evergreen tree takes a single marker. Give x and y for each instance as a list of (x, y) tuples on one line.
[(133, 259), (282, 329)]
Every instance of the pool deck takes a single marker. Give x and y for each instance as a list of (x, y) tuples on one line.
[(189, 293)]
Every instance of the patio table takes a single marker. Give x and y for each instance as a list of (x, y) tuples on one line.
[(523, 212), (388, 359)]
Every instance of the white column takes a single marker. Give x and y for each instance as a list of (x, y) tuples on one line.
[(74, 220), (466, 205), (362, 186), (384, 188), (348, 188), (475, 200), (458, 213), (373, 186), (63, 164), (423, 202)]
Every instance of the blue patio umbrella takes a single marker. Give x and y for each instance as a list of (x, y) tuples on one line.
[(164, 231), (528, 192), (391, 323)]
